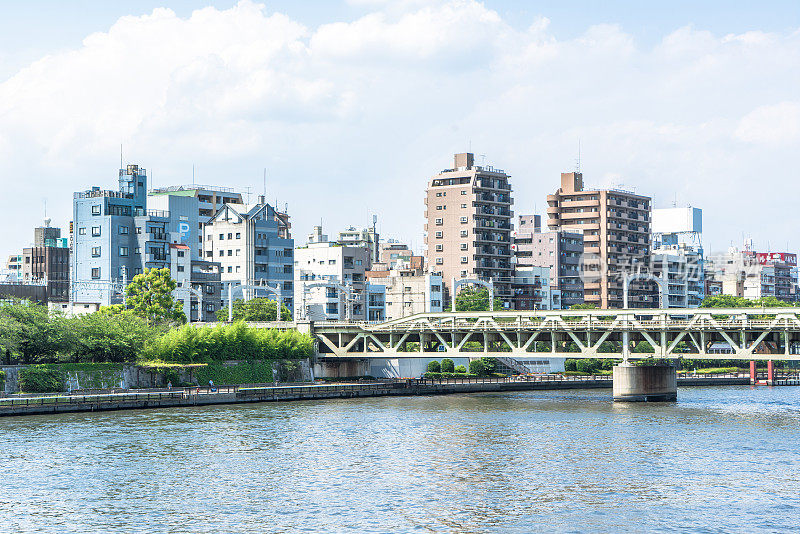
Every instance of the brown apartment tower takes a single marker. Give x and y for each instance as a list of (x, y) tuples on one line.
[(468, 225), (616, 239)]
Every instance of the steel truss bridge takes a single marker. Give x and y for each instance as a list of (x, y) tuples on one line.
[(750, 333)]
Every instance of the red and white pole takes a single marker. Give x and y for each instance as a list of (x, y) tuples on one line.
[(753, 377), (770, 373)]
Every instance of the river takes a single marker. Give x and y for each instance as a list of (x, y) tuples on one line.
[(724, 459)]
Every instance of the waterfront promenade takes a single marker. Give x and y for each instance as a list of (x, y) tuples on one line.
[(199, 396)]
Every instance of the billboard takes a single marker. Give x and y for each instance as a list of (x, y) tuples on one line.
[(677, 220), (771, 257)]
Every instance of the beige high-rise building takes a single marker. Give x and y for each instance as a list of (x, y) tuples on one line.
[(616, 238), (468, 225)]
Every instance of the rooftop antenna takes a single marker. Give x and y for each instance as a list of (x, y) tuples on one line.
[(578, 161), (265, 182), (248, 194), (483, 160), (675, 201), (120, 155)]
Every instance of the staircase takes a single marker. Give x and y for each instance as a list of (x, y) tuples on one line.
[(513, 364)]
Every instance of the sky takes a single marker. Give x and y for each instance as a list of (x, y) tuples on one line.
[(351, 106)]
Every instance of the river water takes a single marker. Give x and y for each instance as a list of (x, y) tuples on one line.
[(723, 459)]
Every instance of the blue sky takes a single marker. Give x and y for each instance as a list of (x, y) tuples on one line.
[(355, 104)]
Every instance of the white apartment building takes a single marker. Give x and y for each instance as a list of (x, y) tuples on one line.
[(253, 246), (408, 293), (330, 282)]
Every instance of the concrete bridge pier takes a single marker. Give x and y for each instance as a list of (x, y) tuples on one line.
[(645, 383)]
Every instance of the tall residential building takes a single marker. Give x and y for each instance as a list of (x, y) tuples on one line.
[(254, 246), (559, 250), (616, 235), (468, 225), (48, 260)]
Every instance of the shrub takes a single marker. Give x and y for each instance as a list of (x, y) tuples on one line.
[(570, 364), (587, 366), (40, 379), (434, 367), (460, 369), (476, 367), (449, 375), (448, 366)]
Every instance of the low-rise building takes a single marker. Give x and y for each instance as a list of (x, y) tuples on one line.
[(48, 260), (409, 293), (559, 250), (330, 281), (533, 290)]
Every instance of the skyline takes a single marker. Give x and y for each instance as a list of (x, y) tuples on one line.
[(340, 113)]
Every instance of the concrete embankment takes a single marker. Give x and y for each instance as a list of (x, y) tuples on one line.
[(129, 400)]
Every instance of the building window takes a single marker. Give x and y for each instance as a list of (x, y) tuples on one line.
[(438, 207), (238, 235), (439, 261), (95, 252), (439, 194), (95, 272), (138, 229), (439, 222), (81, 231), (238, 251), (464, 220), (210, 308), (359, 262), (331, 262), (464, 233), (221, 237), (96, 209), (463, 191), (230, 252), (181, 254), (463, 206), (439, 248), (230, 269), (463, 246), (123, 230), (464, 259), (230, 235), (123, 252), (95, 231), (180, 268), (439, 234), (137, 250)]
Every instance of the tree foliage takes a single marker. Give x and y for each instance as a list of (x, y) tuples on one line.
[(731, 301), (476, 367), (236, 341), (434, 367), (448, 365), (475, 299), (149, 295), (254, 310)]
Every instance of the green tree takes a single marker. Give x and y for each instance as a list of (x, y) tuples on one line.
[(475, 299), (643, 347), (32, 331), (434, 367), (448, 365), (460, 369), (254, 310), (476, 367), (149, 295)]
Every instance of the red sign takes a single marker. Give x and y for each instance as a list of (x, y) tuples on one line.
[(772, 257)]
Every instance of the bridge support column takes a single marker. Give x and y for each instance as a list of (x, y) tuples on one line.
[(650, 383), (770, 373), (753, 377)]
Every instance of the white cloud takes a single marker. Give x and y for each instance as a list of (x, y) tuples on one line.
[(771, 125), (354, 116)]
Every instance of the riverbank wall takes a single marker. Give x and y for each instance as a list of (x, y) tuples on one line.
[(200, 396)]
